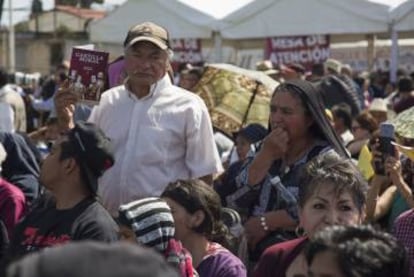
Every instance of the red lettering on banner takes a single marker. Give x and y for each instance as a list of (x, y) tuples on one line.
[(305, 50)]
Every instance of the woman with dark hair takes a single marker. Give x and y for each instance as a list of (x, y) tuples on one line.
[(390, 192), (196, 209), (332, 192), (268, 184), (364, 126), (356, 251), (342, 118)]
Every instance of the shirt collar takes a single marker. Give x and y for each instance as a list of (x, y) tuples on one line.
[(154, 89)]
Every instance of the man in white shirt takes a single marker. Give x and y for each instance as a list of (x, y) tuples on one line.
[(160, 132), (6, 117), (11, 97)]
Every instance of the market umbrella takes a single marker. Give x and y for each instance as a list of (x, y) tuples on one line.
[(235, 96), (404, 130), (404, 124)]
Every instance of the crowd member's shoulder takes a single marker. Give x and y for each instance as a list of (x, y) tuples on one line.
[(185, 96), (114, 93), (232, 266), (223, 263), (182, 91), (405, 218), (289, 245), (113, 97), (95, 223), (278, 257)]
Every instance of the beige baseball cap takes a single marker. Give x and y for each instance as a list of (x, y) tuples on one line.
[(148, 31)]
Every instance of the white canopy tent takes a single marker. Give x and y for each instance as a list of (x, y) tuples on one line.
[(345, 21), (267, 18), (181, 20), (402, 17), (401, 20), (349, 20)]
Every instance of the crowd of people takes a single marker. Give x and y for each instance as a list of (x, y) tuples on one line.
[(311, 194)]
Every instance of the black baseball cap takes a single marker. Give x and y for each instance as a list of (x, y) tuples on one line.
[(93, 148), (254, 132)]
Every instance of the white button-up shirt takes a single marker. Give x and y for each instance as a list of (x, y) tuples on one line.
[(160, 138)]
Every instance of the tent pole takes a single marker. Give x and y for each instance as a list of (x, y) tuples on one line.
[(218, 47), (371, 51), (12, 54), (394, 55)]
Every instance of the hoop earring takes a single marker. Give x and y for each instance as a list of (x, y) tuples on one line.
[(300, 232)]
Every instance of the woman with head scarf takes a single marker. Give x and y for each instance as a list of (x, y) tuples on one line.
[(268, 183)]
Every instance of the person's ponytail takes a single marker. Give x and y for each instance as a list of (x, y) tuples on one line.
[(222, 235)]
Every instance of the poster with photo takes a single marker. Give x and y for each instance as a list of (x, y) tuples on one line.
[(87, 73)]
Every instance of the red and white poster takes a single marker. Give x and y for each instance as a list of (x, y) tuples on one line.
[(186, 51), (304, 50), (87, 73)]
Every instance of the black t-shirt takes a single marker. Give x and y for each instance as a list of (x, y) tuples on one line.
[(46, 226)]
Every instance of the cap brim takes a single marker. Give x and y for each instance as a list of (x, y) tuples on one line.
[(155, 41)]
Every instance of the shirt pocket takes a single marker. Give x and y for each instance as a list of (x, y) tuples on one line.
[(152, 145)]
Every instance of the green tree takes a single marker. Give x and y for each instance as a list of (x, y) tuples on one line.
[(1, 8), (37, 7), (83, 3)]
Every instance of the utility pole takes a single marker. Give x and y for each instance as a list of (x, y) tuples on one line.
[(3, 37), (12, 55), (36, 10), (55, 20)]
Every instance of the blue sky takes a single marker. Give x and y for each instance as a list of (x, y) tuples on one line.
[(216, 8)]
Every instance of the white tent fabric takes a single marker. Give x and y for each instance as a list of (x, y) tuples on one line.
[(181, 20), (349, 20), (267, 18), (401, 20), (402, 17)]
